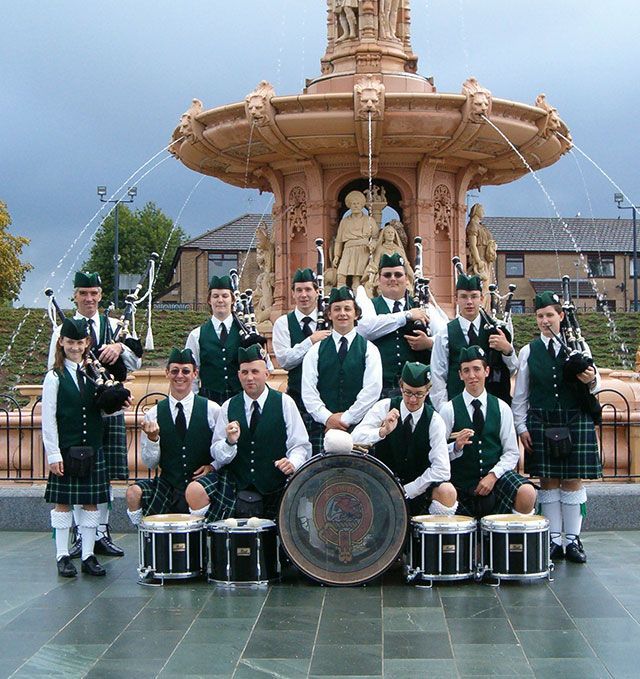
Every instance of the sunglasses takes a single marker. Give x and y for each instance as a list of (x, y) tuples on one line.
[(392, 274), (177, 371)]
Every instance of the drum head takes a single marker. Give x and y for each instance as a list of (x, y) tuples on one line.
[(438, 522), (171, 522), (343, 519), (505, 521)]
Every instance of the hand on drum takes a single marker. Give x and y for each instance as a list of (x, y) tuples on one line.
[(284, 466), (335, 422), (463, 438), (151, 429), (202, 471), (389, 423), (233, 432), (486, 484), (527, 443)]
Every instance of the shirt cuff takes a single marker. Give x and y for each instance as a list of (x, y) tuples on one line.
[(54, 457), (412, 490)]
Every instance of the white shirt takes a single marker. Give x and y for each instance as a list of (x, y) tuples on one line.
[(520, 405), (367, 396), (508, 439), (368, 433), (291, 357), (371, 327), (150, 450), (298, 448), (440, 361)]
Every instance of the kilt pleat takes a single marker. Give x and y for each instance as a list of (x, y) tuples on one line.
[(221, 491), (157, 496), (114, 441), (92, 490), (505, 490)]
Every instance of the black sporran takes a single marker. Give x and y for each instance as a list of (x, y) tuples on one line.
[(558, 442), (78, 461), (249, 503)]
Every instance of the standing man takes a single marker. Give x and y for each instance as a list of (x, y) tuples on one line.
[(465, 331), (545, 399), (485, 453), (120, 359), (296, 332), (409, 437), (392, 329), (342, 374), (258, 441)]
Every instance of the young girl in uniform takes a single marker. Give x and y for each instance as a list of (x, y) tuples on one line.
[(71, 423)]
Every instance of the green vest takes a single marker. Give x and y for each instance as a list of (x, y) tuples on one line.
[(480, 456), (340, 383), (294, 379), (547, 388), (458, 341), (407, 459), (219, 364), (253, 463), (179, 459), (394, 348), (78, 417)]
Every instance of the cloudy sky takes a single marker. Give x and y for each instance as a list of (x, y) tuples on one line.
[(91, 91)]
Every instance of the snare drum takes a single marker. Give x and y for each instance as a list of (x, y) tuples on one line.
[(515, 547), (171, 547), (440, 548), (243, 552)]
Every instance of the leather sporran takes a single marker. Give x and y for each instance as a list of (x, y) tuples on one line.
[(249, 503), (78, 461), (558, 442)]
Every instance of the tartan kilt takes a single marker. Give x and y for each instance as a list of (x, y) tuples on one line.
[(418, 506), (157, 496), (316, 438), (218, 397), (220, 487), (505, 491), (114, 442), (67, 490), (584, 460)]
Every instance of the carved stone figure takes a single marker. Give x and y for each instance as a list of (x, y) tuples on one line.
[(478, 100), (369, 97), (481, 248), (388, 19), (187, 119), (402, 232), (346, 12), (389, 242), (442, 208), (297, 212), (551, 123), (376, 201), (258, 104), (263, 295), (355, 241)]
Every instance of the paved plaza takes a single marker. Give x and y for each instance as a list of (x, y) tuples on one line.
[(584, 624)]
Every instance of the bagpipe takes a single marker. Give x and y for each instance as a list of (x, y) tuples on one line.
[(244, 314), (322, 322), (424, 299)]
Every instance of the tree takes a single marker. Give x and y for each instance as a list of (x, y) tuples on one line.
[(12, 270), (139, 234)]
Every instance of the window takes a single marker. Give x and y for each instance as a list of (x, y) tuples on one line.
[(601, 266), (517, 306), (220, 263), (514, 265), (631, 265)]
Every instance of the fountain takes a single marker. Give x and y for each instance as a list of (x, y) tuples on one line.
[(370, 117)]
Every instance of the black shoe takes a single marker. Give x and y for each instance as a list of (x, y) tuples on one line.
[(105, 545), (556, 553), (91, 566), (65, 568), (75, 551), (575, 552)]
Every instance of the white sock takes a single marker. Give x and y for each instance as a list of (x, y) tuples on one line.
[(103, 519), (200, 512), (439, 509), (89, 523), (61, 523), (135, 516), (531, 513), (572, 512), (549, 501)]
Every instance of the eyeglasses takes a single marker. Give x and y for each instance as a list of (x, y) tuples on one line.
[(412, 394), (393, 274), (176, 371)]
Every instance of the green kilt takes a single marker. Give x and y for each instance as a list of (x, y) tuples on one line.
[(218, 397), (316, 438), (221, 490), (505, 491), (114, 441), (584, 460), (92, 490), (158, 496)]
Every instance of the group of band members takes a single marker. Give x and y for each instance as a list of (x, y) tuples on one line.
[(431, 405)]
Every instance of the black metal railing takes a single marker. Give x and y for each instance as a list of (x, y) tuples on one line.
[(615, 430)]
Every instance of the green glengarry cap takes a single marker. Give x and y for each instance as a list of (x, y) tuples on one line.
[(396, 259), (546, 298), (343, 294), (469, 283), (472, 353), (416, 374), (181, 356), (84, 279), (253, 353), (304, 276), (220, 283), (74, 328)]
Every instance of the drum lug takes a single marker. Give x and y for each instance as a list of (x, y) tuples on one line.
[(148, 578), (551, 569), (480, 571)]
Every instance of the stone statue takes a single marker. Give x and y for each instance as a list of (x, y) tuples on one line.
[(481, 248), (551, 123), (478, 100), (389, 242), (263, 295), (369, 97), (346, 12), (355, 241), (402, 232), (376, 201), (388, 19), (187, 119), (258, 104)]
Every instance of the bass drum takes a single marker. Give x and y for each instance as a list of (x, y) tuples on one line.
[(343, 518)]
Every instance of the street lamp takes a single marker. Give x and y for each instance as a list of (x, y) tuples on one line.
[(619, 198), (132, 192)]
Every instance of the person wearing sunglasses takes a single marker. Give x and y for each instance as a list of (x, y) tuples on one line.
[(408, 435)]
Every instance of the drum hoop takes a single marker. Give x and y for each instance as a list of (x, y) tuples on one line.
[(514, 523), (440, 525), (172, 523), (221, 527)]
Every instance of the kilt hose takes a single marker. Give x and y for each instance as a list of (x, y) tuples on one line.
[(92, 490), (114, 442), (584, 460), (505, 491)]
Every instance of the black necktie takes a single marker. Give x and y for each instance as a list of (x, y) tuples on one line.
[(472, 335), (342, 351), (551, 350), (406, 427), (223, 334), (255, 416), (181, 421), (306, 326), (478, 417), (80, 378), (397, 306), (92, 333)]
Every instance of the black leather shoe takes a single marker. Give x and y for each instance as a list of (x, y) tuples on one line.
[(105, 545), (65, 568), (575, 552), (75, 552), (556, 553), (91, 566)]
